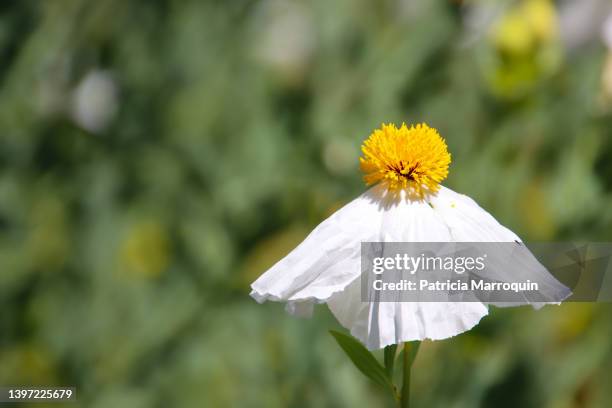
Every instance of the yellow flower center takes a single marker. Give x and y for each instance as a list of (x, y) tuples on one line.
[(413, 157)]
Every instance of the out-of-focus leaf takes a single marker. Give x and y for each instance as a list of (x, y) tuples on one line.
[(363, 359), (414, 349), (390, 359)]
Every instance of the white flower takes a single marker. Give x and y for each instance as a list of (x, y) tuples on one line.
[(285, 40), (326, 266), (95, 101)]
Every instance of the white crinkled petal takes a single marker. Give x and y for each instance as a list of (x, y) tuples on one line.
[(379, 324), (326, 266), (467, 221), (327, 260)]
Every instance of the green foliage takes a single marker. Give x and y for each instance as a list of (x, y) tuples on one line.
[(364, 360), (389, 359), (367, 363), (414, 349)]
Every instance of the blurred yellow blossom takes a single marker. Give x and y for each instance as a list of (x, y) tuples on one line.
[(574, 321), (146, 249), (530, 23), (525, 47), (27, 364), (541, 17), (513, 34)]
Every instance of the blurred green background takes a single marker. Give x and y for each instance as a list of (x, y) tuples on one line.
[(157, 156)]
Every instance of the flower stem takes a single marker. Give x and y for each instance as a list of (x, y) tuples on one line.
[(405, 397)]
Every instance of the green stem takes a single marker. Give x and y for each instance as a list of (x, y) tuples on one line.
[(405, 398)]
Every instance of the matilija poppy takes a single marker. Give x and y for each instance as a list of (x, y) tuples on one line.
[(407, 204)]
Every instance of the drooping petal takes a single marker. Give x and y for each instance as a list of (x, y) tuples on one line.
[(379, 324), (468, 222), (327, 260)]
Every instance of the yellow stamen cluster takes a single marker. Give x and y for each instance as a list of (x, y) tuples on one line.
[(413, 157)]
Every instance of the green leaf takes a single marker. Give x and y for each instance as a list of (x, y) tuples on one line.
[(390, 359), (414, 349), (363, 359)]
